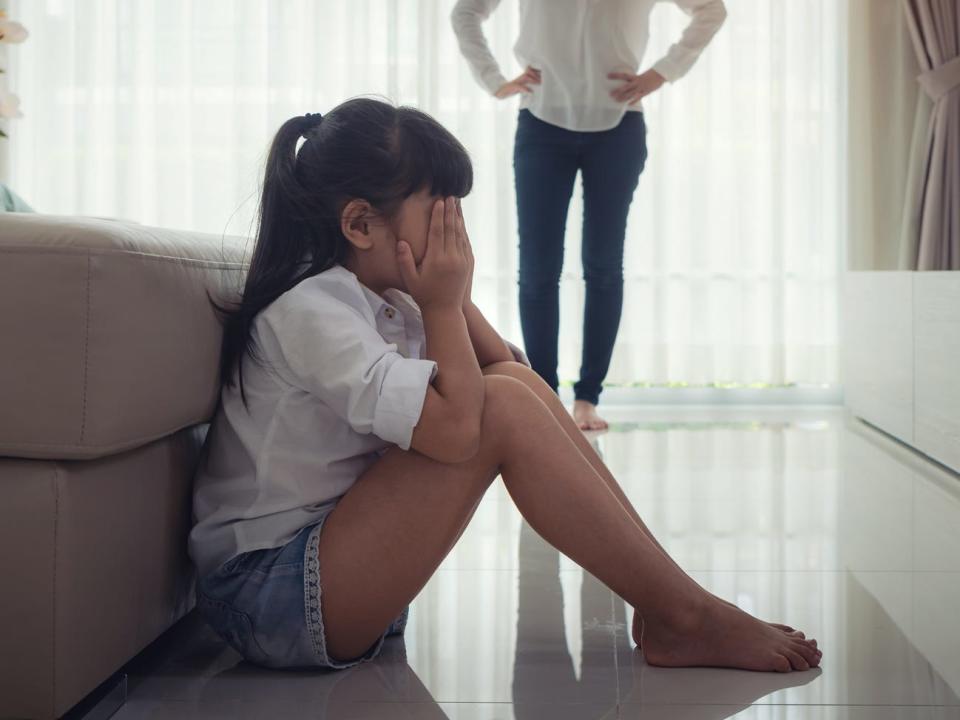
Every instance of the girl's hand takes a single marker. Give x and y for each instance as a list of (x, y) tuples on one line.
[(442, 276), (635, 86), (462, 228), (520, 84)]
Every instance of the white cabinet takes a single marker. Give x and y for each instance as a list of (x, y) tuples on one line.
[(901, 357), (936, 400)]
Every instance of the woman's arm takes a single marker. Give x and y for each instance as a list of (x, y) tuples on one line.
[(466, 18), (708, 16)]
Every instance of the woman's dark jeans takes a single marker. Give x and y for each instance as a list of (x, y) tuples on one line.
[(546, 159)]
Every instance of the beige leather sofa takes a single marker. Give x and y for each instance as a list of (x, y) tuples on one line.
[(109, 354)]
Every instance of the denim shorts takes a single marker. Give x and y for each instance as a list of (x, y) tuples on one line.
[(266, 605)]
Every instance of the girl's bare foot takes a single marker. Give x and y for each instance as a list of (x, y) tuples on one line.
[(720, 635), (785, 628), (638, 630), (585, 414)]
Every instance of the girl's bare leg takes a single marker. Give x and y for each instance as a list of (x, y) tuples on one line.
[(530, 378), (391, 530)]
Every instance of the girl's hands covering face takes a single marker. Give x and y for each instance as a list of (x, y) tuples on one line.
[(441, 278)]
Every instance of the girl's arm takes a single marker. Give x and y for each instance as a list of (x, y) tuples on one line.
[(448, 429), (487, 343), (488, 346)]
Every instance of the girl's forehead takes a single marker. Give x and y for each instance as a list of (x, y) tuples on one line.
[(424, 197), (421, 201)]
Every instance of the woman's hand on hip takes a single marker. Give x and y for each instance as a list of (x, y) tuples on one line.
[(635, 87), (520, 84)]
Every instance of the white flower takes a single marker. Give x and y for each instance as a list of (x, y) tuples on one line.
[(9, 105), (12, 32)]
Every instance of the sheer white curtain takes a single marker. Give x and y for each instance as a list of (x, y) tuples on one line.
[(161, 112)]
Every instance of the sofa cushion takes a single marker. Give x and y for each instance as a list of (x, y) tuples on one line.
[(94, 567), (107, 339)]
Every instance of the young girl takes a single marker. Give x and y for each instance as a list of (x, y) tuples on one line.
[(347, 458)]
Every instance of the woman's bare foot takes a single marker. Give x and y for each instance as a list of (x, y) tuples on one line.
[(585, 414), (721, 635)]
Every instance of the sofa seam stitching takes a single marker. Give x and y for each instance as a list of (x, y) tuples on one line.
[(193, 262), (86, 354), (56, 523), (110, 448)]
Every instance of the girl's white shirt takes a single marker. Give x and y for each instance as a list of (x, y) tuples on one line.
[(343, 378), (575, 44)]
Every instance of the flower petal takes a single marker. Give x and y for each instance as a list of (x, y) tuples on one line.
[(9, 105), (12, 32)]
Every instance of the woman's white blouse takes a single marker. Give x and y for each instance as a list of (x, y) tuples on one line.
[(343, 379), (574, 44)]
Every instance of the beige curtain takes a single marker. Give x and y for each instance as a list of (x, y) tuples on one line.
[(931, 230), (883, 110)]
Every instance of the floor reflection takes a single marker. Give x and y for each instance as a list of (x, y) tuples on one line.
[(541, 667), (817, 521), (604, 624)]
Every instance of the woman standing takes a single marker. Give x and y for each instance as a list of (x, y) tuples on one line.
[(580, 111)]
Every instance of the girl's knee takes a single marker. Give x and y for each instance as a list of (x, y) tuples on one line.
[(527, 375), (506, 397), (504, 367)]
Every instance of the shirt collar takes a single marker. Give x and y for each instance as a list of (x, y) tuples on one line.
[(394, 297)]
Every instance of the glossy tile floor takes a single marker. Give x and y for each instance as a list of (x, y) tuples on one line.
[(799, 515)]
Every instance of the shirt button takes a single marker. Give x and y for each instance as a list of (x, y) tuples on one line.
[(390, 312)]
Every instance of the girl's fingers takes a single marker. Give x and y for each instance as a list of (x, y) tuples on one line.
[(435, 233), (467, 247), (458, 218), (449, 226), (408, 268), (462, 231)]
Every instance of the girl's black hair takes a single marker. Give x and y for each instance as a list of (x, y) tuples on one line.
[(362, 149)]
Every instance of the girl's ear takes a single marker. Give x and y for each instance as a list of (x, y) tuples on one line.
[(355, 224)]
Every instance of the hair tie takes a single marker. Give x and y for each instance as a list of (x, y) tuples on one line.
[(310, 121)]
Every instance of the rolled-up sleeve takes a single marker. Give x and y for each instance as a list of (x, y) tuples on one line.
[(400, 401), (332, 352)]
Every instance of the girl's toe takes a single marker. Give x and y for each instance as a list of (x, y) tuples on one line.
[(796, 660), (781, 664)]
